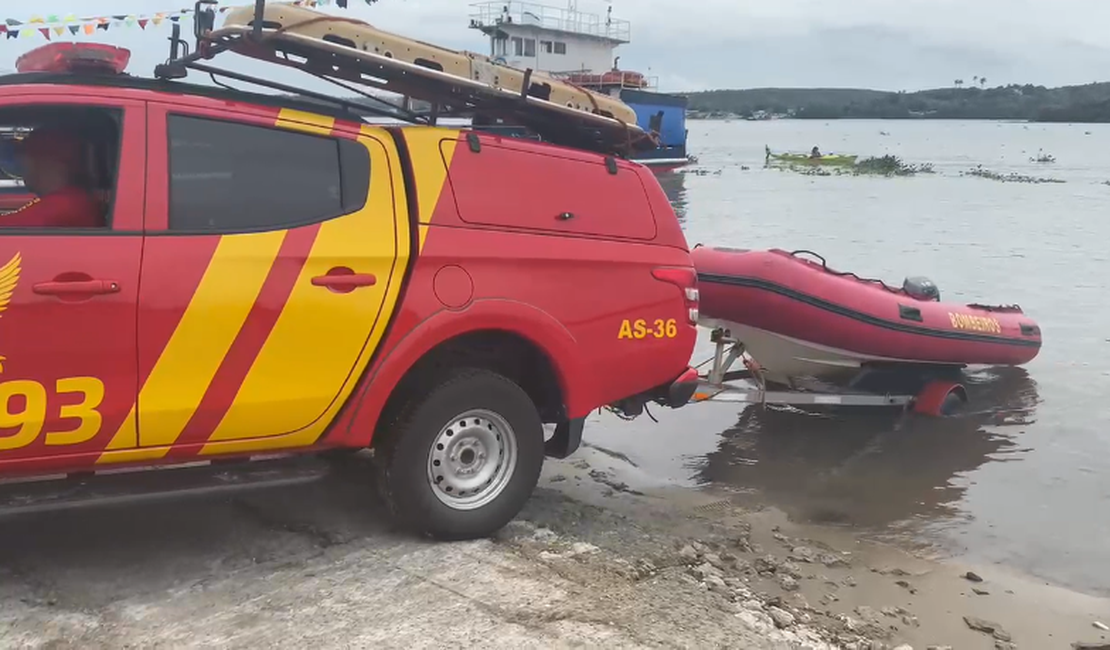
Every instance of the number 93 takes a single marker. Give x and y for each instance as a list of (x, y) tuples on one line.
[(28, 421)]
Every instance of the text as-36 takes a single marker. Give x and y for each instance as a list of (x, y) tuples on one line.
[(642, 329), (24, 405)]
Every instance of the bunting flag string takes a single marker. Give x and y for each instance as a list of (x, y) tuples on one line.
[(50, 26), (55, 25)]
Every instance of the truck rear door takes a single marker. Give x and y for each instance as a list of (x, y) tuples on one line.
[(269, 280)]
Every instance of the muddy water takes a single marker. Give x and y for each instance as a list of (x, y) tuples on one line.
[(1024, 478)]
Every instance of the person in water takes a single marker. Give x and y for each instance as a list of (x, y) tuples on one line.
[(816, 153)]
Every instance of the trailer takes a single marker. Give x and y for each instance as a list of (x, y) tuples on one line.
[(734, 376)]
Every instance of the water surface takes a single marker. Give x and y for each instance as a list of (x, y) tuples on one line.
[(1025, 478)]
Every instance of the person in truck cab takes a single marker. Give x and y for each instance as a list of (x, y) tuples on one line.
[(50, 160)]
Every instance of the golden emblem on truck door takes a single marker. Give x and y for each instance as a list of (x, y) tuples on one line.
[(9, 278)]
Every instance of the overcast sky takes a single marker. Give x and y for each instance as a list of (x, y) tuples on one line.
[(699, 44)]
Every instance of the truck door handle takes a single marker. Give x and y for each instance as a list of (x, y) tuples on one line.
[(343, 280), (76, 288)]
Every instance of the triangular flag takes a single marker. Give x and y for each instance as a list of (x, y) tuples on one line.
[(157, 19), (36, 19), (52, 19), (45, 31), (175, 18), (103, 26), (73, 29), (143, 22), (119, 16), (90, 28), (60, 30), (13, 33), (70, 18), (12, 22)]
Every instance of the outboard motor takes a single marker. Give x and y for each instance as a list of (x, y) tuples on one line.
[(921, 288)]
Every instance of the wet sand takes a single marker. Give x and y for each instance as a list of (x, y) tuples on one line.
[(843, 584)]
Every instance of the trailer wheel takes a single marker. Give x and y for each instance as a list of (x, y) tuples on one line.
[(940, 399), (464, 456)]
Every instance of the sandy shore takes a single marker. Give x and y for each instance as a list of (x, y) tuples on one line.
[(603, 556), (830, 584)]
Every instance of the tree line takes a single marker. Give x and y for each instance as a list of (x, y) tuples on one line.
[(1085, 103)]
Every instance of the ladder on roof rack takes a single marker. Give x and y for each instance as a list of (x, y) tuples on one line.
[(356, 56)]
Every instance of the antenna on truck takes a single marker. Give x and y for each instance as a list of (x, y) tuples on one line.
[(204, 21), (259, 12)]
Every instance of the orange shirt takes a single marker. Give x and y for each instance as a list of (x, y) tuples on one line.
[(72, 207)]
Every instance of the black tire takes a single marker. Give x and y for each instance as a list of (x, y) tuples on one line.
[(402, 453)]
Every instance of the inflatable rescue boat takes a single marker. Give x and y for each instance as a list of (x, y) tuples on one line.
[(799, 318)]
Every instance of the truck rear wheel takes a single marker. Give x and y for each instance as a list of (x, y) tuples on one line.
[(463, 457)]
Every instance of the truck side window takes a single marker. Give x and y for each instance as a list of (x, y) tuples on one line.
[(234, 177), (58, 166)]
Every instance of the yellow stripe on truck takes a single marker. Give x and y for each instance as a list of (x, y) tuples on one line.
[(197, 347), (214, 317), (281, 391), (431, 151), (305, 122)]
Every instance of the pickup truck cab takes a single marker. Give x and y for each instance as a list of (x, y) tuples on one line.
[(273, 276)]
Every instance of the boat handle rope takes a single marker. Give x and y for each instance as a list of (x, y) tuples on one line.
[(846, 274)]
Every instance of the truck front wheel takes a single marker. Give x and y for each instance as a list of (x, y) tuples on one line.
[(463, 457)]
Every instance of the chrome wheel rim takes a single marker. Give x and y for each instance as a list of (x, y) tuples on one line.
[(472, 460)]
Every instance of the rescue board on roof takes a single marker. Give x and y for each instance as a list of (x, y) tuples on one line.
[(353, 50)]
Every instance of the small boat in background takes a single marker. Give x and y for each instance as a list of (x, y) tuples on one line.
[(799, 318), (809, 159)]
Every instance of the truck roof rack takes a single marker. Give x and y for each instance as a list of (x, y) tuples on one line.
[(356, 56)]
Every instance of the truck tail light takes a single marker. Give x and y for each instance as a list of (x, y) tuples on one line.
[(686, 279)]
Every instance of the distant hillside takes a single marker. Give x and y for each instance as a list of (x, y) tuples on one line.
[(1087, 103)]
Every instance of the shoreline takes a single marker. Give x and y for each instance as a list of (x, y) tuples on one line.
[(836, 587), (603, 556)]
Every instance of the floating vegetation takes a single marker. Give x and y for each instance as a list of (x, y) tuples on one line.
[(888, 166), (1043, 158), (1012, 177), (809, 170)]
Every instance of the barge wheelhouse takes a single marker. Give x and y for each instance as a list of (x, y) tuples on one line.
[(580, 47)]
